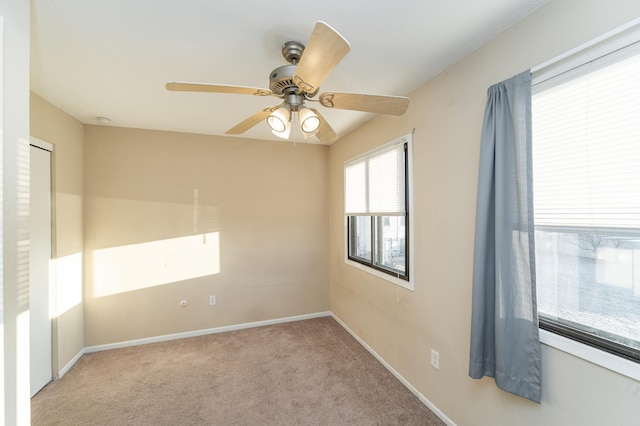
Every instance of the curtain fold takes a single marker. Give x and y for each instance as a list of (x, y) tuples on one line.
[(505, 341)]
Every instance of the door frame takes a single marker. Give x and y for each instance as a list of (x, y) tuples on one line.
[(46, 146)]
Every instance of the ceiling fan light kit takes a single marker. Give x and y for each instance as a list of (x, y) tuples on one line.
[(309, 121), (279, 119), (284, 134), (300, 82)]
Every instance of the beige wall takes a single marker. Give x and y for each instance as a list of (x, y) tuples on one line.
[(52, 125), (256, 212), (172, 216), (447, 114)]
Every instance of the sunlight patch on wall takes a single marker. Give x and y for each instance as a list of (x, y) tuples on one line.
[(137, 266), (68, 283)]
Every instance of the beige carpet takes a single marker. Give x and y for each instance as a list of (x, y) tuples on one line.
[(302, 373)]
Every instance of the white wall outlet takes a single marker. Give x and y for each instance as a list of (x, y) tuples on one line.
[(435, 359), (184, 303), (212, 300)]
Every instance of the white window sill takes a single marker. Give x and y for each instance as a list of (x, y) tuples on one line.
[(604, 359), (394, 280)]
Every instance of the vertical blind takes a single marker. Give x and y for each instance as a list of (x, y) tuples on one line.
[(586, 151), (375, 182)]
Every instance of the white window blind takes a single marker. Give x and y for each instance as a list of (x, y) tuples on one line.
[(586, 153), (375, 182)]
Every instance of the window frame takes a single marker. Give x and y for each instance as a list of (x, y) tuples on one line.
[(403, 280), (610, 355)]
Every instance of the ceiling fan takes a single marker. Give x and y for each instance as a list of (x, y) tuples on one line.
[(299, 83)]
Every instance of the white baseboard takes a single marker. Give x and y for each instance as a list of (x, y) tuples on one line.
[(223, 329), (167, 337), (397, 375), (70, 364), (204, 332)]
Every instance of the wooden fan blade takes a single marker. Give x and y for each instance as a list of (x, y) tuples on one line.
[(252, 121), (216, 88), (394, 105), (325, 134), (325, 49)]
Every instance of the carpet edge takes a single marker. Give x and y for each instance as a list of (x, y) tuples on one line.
[(396, 374), (203, 332)]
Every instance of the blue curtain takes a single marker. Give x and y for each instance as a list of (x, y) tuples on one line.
[(505, 340)]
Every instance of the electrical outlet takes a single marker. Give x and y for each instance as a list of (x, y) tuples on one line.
[(435, 359), (212, 300)]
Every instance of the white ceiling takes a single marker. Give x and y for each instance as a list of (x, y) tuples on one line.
[(111, 58)]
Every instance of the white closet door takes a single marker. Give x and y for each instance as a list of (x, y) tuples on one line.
[(40, 256)]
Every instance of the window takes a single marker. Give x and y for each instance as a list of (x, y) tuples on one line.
[(586, 171), (376, 209)]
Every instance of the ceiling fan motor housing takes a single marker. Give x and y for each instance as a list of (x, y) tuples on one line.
[(281, 80)]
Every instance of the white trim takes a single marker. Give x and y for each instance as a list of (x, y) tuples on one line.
[(618, 38), (39, 143), (589, 353), (98, 348), (215, 330), (3, 398), (70, 364), (385, 276), (430, 405)]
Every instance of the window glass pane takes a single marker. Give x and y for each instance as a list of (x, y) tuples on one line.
[(591, 281), (360, 237), (376, 203), (586, 173), (390, 243)]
